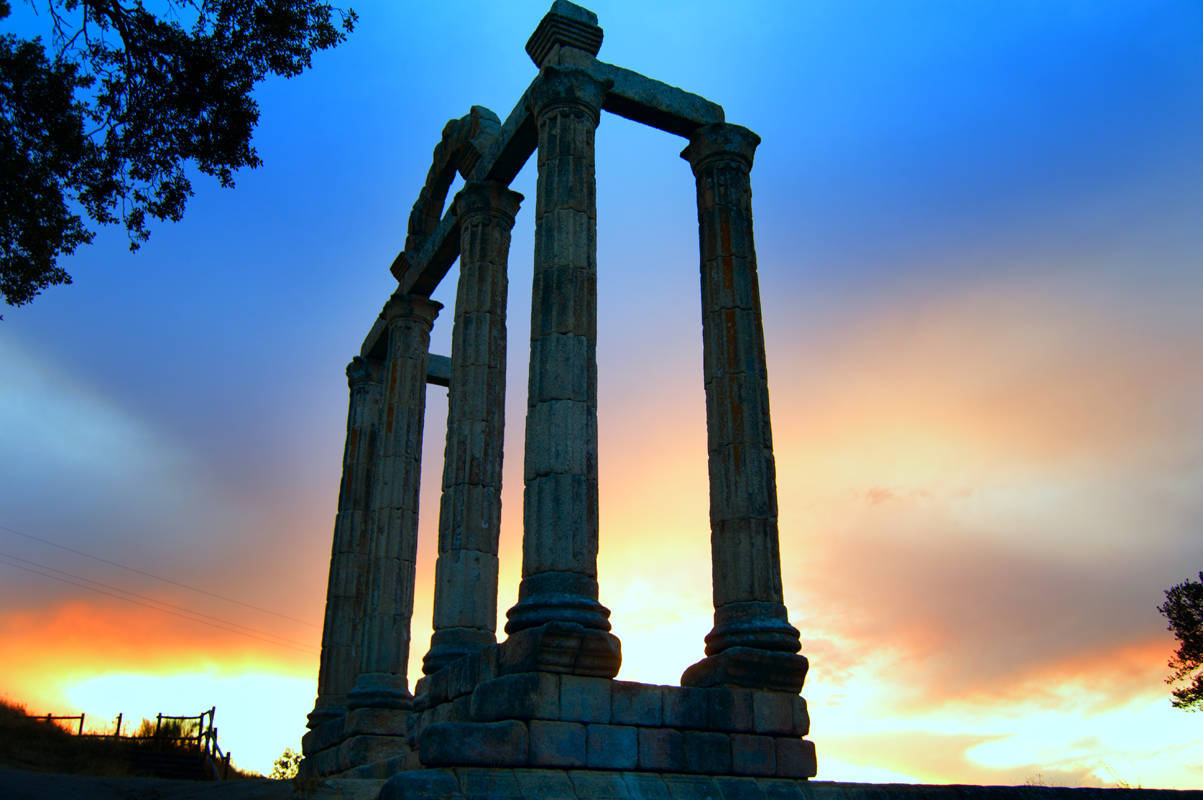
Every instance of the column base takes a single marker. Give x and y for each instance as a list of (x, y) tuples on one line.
[(323, 713), (380, 690), (561, 647), (751, 623), (452, 644), (567, 597), (750, 668)]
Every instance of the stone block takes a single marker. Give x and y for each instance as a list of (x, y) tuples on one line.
[(599, 785), (421, 784), (691, 787), (434, 688), (801, 717), (731, 710), (753, 755), (349, 787), (322, 762), (661, 750), (549, 783), (363, 749), (525, 695), (461, 709), (750, 668), (584, 699), (685, 709), (327, 734), (796, 758), (635, 704), (739, 788), (707, 753), (611, 746), (774, 713), (563, 647), (645, 786), (493, 744), (557, 744), (489, 784), (781, 789), (379, 721)]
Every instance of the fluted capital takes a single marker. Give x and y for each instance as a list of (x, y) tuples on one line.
[(488, 197), (572, 87), (721, 141), (566, 25), (362, 371), (411, 307)]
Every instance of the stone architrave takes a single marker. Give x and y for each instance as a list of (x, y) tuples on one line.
[(346, 592), (385, 632), (560, 523), (752, 642), (465, 590)]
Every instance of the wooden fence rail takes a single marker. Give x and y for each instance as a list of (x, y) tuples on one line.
[(204, 740)]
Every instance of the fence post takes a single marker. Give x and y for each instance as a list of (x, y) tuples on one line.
[(158, 723), (225, 774), (118, 734), (81, 723)]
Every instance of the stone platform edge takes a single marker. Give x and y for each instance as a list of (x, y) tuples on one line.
[(479, 783)]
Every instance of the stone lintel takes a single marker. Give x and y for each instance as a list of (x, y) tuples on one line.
[(438, 370), (655, 103), (634, 96)]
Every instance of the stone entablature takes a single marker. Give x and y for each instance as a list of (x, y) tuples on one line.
[(545, 697)]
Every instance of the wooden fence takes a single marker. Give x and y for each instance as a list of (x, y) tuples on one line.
[(203, 741)]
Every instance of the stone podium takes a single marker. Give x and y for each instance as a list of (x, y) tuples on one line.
[(541, 709)]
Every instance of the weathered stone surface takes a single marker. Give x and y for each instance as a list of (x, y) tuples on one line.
[(566, 25), (775, 713), (474, 743), (749, 667), (691, 787), (363, 749), (524, 695), (321, 762), (795, 758), (685, 708), (601, 785), (612, 746), (327, 734), (384, 721), (635, 704), (707, 753), (739, 788), (730, 709), (560, 647), (753, 755), (423, 784), (549, 783), (584, 699), (557, 744), (489, 784), (645, 786), (661, 750), (378, 772)]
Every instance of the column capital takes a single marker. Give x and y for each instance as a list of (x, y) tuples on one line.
[(557, 87), (411, 307), (488, 197), (361, 371), (721, 140)]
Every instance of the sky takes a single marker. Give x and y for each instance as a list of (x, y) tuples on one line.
[(978, 237)]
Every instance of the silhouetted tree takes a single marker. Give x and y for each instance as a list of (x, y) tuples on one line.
[(103, 121), (1183, 608)]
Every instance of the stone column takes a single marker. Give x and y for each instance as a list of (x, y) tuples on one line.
[(465, 588), (752, 642), (560, 527), (384, 640), (345, 593)]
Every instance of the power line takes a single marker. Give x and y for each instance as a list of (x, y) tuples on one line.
[(183, 609), (157, 577), (156, 605)]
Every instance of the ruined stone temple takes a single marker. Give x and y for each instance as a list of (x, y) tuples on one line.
[(539, 713)]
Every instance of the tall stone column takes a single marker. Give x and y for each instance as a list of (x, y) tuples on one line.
[(465, 588), (752, 642), (560, 526), (384, 640), (346, 593)]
